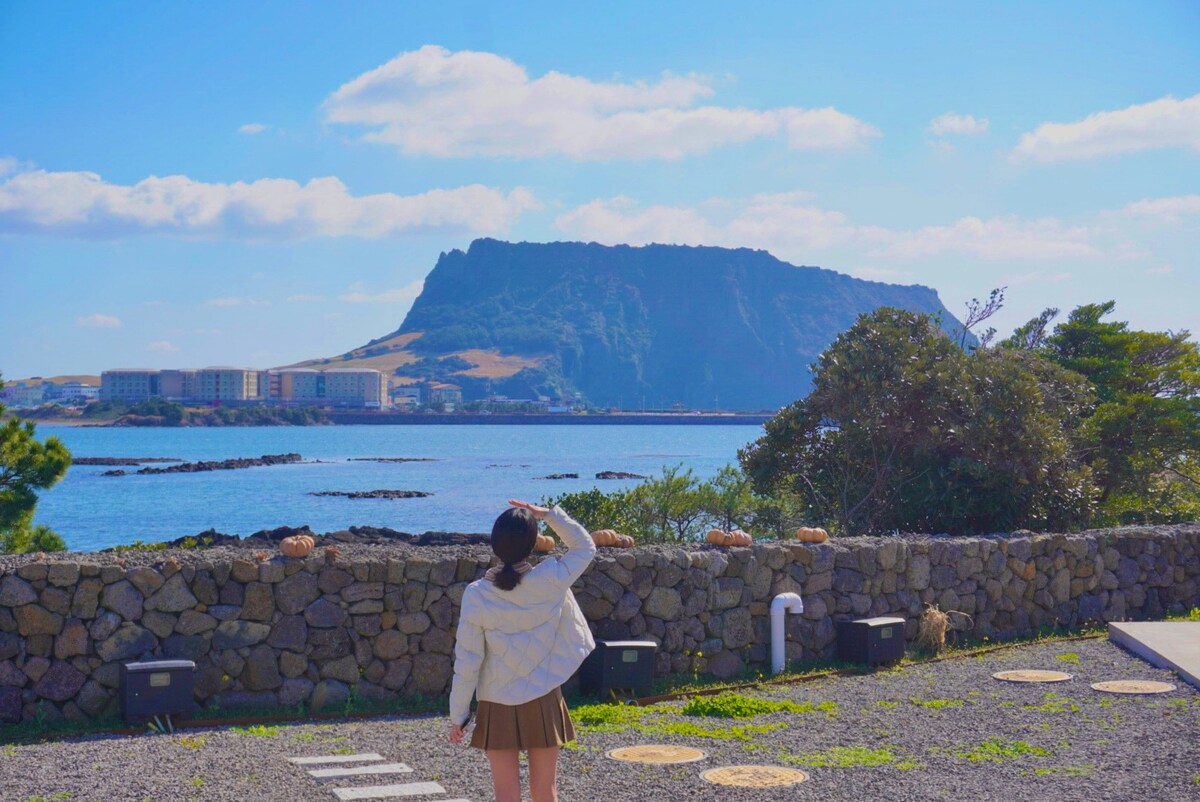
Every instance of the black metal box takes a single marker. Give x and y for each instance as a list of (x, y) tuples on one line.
[(871, 640), (161, 687), (624, 664)]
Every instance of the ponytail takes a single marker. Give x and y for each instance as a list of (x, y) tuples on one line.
[(508, 578)]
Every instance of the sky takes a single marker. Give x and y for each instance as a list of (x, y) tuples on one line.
[(253, 184)]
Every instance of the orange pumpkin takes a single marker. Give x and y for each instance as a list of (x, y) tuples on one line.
[(719, 537), (297, 545), (811, 535), (544, 544), (741, 538), (609, 537)]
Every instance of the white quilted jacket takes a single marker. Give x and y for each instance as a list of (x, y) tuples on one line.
[(516, 645)]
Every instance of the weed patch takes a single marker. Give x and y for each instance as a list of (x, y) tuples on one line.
[(188, 742), (937, 704), (998, 750), (843, 757), (1069, 657), (1065, 771), (258, 730), (1054, 704), (732, 705)]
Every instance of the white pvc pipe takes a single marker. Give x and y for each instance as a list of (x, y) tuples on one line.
[(781, 605)]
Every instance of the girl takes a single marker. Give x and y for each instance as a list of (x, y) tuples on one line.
[(520, 636)]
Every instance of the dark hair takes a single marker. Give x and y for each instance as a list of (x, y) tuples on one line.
[(513, 537)]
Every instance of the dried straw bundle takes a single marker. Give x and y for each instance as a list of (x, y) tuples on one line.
[(932, 628)]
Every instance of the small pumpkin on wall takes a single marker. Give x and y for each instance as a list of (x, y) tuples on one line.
[(719, 537), (609, 537), (297, 545), (544, 544), (811, 535)]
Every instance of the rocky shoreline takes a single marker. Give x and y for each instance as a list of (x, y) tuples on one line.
[(387, 494)]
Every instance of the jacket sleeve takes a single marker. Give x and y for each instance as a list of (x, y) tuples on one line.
[(581, 549), (469, 649)]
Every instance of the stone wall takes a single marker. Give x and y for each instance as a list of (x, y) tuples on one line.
[(306, 631)]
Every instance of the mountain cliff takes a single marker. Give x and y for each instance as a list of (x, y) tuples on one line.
[(635, 327)]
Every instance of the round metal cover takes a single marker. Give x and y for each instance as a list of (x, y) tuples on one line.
[(754, 776), (657, 753), (1032, 675), (1133, 686)]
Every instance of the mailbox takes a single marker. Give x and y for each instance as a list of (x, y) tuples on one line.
[(162, 687), (871, 640), (624, 664)]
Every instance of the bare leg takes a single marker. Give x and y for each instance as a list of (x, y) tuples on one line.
[(543, 774), (506, 774)]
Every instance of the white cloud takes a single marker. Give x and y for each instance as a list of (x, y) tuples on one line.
[(8, 165), (82, 204), (252, 128), (357, 295), (162, 347), (235, 301), (98, 321), (963, 124), (995, 238), (791, 224), (303, 298), (1163, 123), (437, 103), (1166, 209)]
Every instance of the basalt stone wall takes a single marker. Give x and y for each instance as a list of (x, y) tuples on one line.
[(306, 631)]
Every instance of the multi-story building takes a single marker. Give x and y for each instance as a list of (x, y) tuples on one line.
[(129, 385), (297, 386), (75, 392), (177, 385), (24, 394), (443, 394), (221, 384), (360, 388)]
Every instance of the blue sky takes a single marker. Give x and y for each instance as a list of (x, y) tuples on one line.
[(259, 183)]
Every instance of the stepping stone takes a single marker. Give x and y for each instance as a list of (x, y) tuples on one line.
[(360, 771), (313, 761), (390, 791)]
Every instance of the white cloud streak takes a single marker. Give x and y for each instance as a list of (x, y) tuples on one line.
[(355, 294), (433, 102), (1166, 209), (234, 301), (790, 223), (251, 129), (1163, 123), (98, 321), (960, 124), (81, 204)]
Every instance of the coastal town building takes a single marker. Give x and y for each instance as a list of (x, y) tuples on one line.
[(356, 388), (444, 395), (130, 385), (221, 384)]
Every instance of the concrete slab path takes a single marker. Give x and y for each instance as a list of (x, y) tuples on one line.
[(1173, 645)]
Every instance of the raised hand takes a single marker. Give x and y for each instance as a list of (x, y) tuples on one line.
[(534, 510)]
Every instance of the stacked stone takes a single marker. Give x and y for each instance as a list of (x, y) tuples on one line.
[(290, 632)]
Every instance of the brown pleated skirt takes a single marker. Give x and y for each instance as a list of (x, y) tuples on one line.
[(537, 724)]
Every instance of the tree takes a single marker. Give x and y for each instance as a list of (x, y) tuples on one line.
[(27, 466), (1144, 431), (903, 430)]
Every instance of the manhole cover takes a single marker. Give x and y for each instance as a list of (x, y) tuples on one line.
[(657, 753), (754, 776), (1032, 675), (1133, 686)]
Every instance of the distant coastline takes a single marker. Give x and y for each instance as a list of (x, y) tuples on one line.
[(495, 419)]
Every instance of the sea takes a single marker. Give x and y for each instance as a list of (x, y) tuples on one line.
[(472, 472)]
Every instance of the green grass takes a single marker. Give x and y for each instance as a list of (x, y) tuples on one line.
[(59, 795), (1065, 771), (844, 757), (188, 742), (1191, 615), (732, 705), (1069, 657), (937, 704), (196, 782), (258, 730), (884, 703), (659, 720), (1054, 704), (998, 750)]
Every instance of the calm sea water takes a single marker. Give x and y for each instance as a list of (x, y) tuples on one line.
[(478, 469)]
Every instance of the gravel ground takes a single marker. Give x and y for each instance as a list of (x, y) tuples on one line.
[(1096, 746)]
